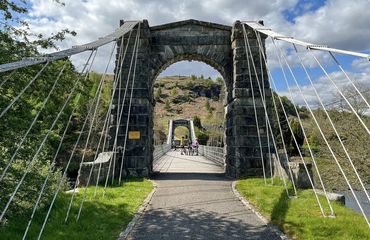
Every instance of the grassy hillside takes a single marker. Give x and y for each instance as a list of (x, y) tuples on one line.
[(186, 97)]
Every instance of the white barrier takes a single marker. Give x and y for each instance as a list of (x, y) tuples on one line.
[(215, 154), (160, 150)]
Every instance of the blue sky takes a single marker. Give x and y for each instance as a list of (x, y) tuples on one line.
[(302, 7), (337, 23)]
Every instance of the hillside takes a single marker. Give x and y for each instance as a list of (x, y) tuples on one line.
[(186, 97)]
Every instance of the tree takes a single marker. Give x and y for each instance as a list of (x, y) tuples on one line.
[(298, 134), (354, 98), (219, 80), (202, 136), (193, 77), (288, 107), (197, 122), (17, 41), (12, 13)]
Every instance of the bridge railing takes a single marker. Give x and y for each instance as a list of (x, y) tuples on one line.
[(215, 154), (160, 150)]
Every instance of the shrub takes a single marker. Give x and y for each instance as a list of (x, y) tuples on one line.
[(26, 196), (167, 106), (158, 94), (197, 122)]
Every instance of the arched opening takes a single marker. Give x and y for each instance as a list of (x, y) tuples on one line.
[(181, 131), (189, 90)]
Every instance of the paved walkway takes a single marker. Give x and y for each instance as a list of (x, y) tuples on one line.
[(194, 200)]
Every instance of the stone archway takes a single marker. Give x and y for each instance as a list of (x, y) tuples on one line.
[(219, 46)]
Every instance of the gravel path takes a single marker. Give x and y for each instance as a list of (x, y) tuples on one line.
[(194, 200)]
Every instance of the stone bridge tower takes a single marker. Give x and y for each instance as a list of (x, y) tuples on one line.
[(219, 46)]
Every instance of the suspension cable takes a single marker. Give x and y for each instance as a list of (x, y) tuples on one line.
[(267, 130), (96, 154), (340, 92), (6, 79), (304, 133), (129, 107), (254, 102), (349, 79), (92, 167), (276, 149), (100, 90), (301, 126), (119, 105), (322, 134), (120, 113), (330, 149), (118, 76), (64, 175), (51, 168), (33, 121), (24, 89), (30, 165)]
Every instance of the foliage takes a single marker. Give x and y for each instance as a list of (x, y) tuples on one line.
[(101, 217), (298, 135), (174, 92), (209, 83), (353, 97), (197, 122), (14, 45), (16, 122), (167, 105), (158, 94), (273, 203), (355, 141), (283, 103), (15, 25), (219, 80), (28, 192), (202, 136)]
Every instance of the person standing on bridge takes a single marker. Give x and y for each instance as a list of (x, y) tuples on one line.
[(182, 145), (195, 146), (190, 149)]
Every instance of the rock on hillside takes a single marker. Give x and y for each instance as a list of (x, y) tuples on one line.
[(186, 97)]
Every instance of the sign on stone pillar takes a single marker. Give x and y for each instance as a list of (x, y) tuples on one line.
[(138, 151)]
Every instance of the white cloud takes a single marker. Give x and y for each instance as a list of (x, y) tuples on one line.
[(338, 23), (327, 92)]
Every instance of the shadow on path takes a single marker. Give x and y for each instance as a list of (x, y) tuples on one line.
[(196, 224)]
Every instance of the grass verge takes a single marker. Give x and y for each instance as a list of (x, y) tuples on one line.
[(300, 218), (101, 218)]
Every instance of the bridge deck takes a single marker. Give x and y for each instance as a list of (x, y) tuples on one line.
[(173, 161), (194, 200)]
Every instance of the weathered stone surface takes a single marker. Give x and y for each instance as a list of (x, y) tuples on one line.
[(223, 48)]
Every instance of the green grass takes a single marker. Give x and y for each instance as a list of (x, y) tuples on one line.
[(300, 217), (101, 218)]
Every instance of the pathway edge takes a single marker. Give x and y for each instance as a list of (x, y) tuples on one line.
[(246, 203), (123, 235)]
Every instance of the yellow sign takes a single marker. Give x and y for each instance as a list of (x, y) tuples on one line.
[(134, 135)]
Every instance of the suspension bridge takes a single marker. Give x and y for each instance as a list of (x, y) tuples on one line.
[(253, 133)]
